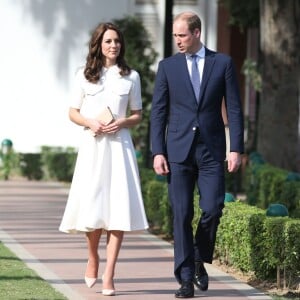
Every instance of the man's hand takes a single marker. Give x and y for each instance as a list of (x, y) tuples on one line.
[(160, 165), (234, 161)]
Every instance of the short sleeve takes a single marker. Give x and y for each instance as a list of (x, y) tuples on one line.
[(77, 91), (135, 97)]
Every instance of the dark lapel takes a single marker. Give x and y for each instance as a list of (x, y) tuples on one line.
[(184, 70), (208, 66)]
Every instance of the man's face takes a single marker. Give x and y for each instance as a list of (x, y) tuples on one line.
[(186, 41)]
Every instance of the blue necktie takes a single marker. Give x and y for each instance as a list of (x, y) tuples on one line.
[(195, 78)]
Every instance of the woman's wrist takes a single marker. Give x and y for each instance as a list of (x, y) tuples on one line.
[(86, 123)]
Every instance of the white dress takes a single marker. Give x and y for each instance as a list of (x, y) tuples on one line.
[(105, 190)]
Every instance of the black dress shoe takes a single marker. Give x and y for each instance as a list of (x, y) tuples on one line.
[(201, 277), (186, 290)]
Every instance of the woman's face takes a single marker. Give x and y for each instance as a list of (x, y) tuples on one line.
[(110, 46)]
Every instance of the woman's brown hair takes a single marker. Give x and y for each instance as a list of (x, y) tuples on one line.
[(94, 59)]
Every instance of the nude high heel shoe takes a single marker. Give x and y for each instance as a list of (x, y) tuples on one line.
[(90, 281), (108, 292)]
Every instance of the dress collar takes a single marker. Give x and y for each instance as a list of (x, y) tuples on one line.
[(111, 70)]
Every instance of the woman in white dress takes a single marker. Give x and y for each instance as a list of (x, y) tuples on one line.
[(105, 193)]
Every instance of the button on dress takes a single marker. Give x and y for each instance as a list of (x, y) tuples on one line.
[(105, 191)]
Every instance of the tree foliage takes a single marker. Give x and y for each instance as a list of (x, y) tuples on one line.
[(243, 13), (140, 55)]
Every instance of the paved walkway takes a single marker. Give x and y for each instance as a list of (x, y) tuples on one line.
[(30, 213)]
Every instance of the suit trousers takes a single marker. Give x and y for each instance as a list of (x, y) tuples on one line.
[(208, 174)]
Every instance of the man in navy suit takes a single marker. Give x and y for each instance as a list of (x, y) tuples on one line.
[(188, 144)]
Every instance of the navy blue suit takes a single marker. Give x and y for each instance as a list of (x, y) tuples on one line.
[(191, 135)]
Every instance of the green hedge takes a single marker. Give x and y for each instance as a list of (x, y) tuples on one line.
[(254, 243), (156, 201), (266, 184), (31, 165), (53, 163)]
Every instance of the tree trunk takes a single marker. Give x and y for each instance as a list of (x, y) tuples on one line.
[(278, 278), (278, 138)]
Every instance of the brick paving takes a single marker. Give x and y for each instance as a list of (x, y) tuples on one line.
[(30, 214)]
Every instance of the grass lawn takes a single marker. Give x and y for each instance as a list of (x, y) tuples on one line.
[(18, 282)]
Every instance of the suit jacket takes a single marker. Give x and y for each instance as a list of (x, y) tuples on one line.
[(176, 113)]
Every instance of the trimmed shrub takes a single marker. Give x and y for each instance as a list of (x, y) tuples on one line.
[(58, 163), (266, 184), (267, 247), (31, 165)]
